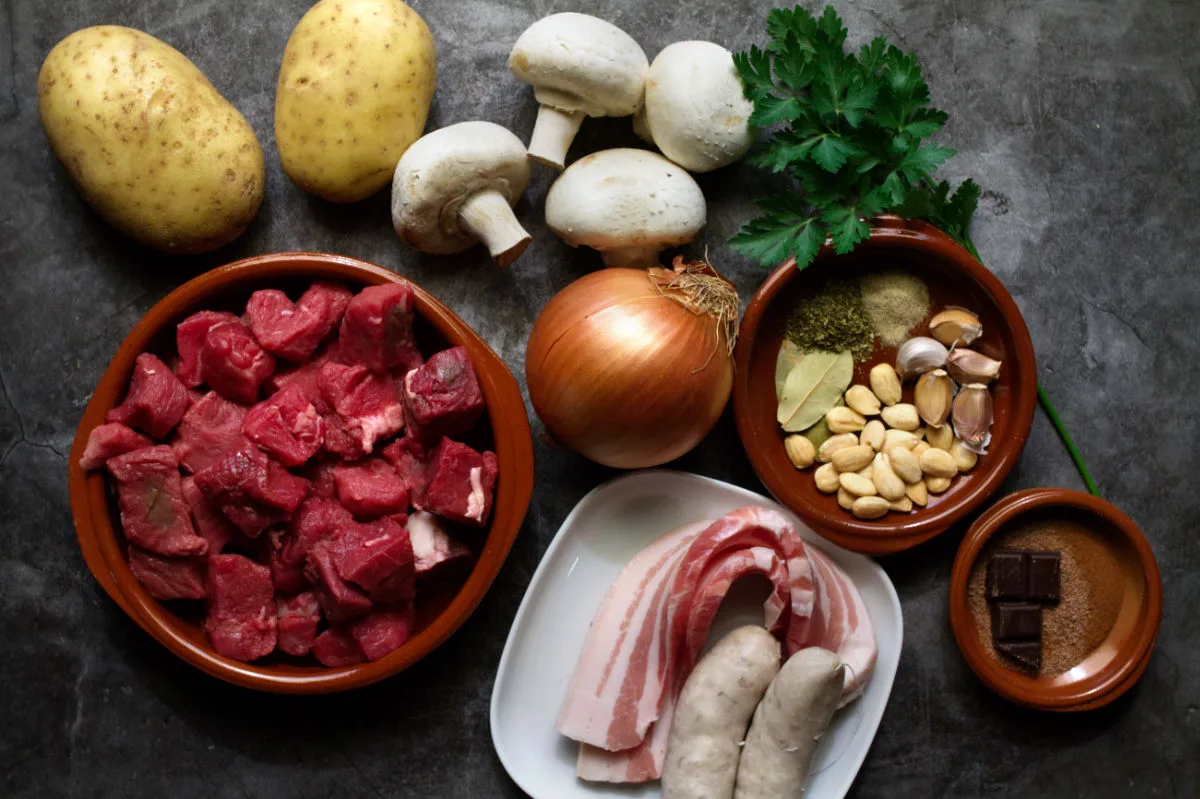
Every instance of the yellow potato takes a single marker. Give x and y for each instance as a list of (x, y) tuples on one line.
[(153, 147), (353, 94)]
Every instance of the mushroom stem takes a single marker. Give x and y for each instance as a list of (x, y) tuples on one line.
[(631, 256), (488, 217), (553, 133)]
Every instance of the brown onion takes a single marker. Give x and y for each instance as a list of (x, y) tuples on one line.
[(631, 367)]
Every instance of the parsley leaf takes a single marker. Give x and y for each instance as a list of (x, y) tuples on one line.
[(851, 131)]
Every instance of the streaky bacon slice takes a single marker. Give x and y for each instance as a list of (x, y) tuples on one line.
[(622, 692)]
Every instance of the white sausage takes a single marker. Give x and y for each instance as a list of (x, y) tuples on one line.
[(713, 712), (788, 724)]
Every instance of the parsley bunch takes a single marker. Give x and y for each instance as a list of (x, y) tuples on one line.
[(849, 129)]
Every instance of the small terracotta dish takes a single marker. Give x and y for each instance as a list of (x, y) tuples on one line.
[(505, 431), (1124, 579), (954, 278)]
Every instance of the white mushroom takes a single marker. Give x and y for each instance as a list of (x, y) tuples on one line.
[(456, 186), (695, 109), (629, 204), (578, 66)]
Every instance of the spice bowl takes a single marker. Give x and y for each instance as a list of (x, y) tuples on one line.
[(954, 279), (1098, 638), (504, 430)]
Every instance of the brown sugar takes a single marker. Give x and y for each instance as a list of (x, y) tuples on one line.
[(1091, 591)]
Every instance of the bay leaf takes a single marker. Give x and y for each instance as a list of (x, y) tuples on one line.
[(812, 387), (789, 356), (819, 433)]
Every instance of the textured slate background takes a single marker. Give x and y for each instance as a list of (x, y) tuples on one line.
[(1080, 118)]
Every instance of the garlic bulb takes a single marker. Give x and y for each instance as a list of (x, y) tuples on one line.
[(919, 355)]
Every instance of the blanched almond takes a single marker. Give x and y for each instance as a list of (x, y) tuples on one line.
[(844, 420), (918, 493), (938, 463), (885, 383), (921, 447), (862, 400), (903, 505), (940, 437), (869, 507), (833, 444), (857, 485), (851, 459), (937, 485), (898, 438), (901, 416), (826, 478), (845, 499), (887, 483), (800, 451), (964, 458), (873, 435), (905, 464)]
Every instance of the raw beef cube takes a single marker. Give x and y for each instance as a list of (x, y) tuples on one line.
[(295, 330), (336, 647), (110, 440), (315, 520), (320, 473), (461, 483), (442, 398), (339, 601), (234, 364), (411, 460), (370, 489), (339, 440), (367, 404), (286, 425), (241, 619), (377, 329), (211, 524), (210, 430), (252, 490), (383, 631), (376, 555), (154, 514), (297, 619), (305, 377), (434, 551), (156, 400), (189, 338), (167, 578)]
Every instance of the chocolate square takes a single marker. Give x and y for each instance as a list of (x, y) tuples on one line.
[(1044, 581), (1027, 653), (1008, 575), (1016, 621)]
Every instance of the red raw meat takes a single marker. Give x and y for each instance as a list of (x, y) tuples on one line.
[(320, 472), (150, 494), (305, 378), (233, 363), (241, 619), (189, 338), (434, 551), (295, 330), (442, 398), (315, 520), (384, 631), (336, 647), (167, 578), (210, 430), (156, 400), (211, 524), (252, 490), (461, 483), (367, 404), (370, 488), (110, 440), (378, 557), (297, 621), (377, 329), (339, 601), (286, 425), (411, 461)]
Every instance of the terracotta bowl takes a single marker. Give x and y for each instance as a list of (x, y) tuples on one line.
[(505, 430), (954, 279), (1122, 656)]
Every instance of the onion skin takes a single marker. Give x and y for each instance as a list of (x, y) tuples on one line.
[(623, 375)]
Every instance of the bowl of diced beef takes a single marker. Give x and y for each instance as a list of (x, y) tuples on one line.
[(301, 472)]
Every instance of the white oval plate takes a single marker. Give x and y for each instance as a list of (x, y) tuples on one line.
[(603, 532)]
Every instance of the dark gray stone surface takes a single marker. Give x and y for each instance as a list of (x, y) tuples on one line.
[(1080, 118)]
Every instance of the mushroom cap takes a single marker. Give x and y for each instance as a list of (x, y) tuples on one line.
[(625, 198), (696, 108), (441, 170), (577, 62)]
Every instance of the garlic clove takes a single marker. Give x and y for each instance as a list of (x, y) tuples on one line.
[(954, 326), (933, 396), (968, 366), (919, 355), (972, 415)]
